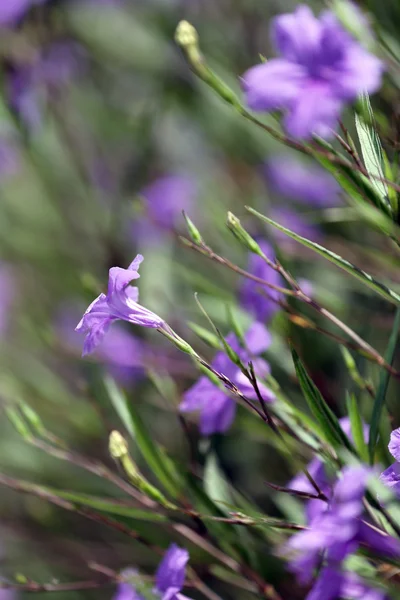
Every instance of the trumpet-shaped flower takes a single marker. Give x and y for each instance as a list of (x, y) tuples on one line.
[(321, 68), (216, 407), (120, 302)]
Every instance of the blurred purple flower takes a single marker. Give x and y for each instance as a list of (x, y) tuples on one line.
[(339, 530), (29, 86), (12, 10), (333, 584), (317, 467), (303, 182), (391, 476), (321, 68), (216, 407), (261, 301), (7, 294), (121, 302), (167, 197), (170, 577)]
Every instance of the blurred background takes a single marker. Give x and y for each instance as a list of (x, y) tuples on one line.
[(105, 136)]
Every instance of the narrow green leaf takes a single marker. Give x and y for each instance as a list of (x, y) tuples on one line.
[(340, 262), (16, 419), (215, 484), (159, 464), (108, 506), (209, 338), (382, 388), (225, 532), (327, 420), (371, 146), (357, 429), (354, 373)]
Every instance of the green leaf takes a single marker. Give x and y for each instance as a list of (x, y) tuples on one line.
[(353, 371), (160, 465), (225, 532), (215, 484), (209, 338), (327, 420), (371, 147), (357, 429), (340, 262), (358, 188), (382, 388), (108, 506)]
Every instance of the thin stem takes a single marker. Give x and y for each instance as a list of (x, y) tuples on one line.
[(369, 351), (74, 586)]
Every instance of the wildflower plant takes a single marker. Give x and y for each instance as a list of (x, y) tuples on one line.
[(319, 519)]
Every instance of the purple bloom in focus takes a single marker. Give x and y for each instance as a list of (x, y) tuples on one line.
[(216, 407), (170, 577), (121, 302), (391, 476), (256, 298), (321, 68), (12, 10), (339, 530), (303, 182)]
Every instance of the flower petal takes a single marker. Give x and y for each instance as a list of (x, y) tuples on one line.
[(297, 35), (96, 334), (171, 571), (273, 85), (394, 444), (217, 416), (197, 396), (257, 338), (391, 478), (360, 71), (134, 266), (118, 280), (328, 585), (315, 111)]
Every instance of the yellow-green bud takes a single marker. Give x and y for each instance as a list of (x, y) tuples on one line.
[(117, 445), (186, 35)]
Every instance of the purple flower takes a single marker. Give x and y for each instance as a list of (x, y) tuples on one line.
[(12, 10), (302, 182), (321, 68), (216, 407), (339, 530), (391, 476), (167, 197), (333, 584), (121, 302), (170, 577), (29, 86), (321, 476), (261, 301)]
